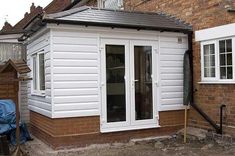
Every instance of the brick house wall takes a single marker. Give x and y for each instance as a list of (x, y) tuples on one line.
[(201, 14), (92, 3), (82, 131), (57, 6)]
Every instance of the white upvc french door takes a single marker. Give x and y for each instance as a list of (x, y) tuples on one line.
[(144, 80), (128, 84), (115, 86)]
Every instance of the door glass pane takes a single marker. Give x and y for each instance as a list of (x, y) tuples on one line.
[(143, 82), (115, 72)]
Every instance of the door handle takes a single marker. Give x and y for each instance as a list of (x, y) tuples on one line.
[(156, 83), (133, 82)]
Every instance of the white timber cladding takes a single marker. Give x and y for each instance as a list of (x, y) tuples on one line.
[(172, 51), (40, 103), (75, 69), (75, 73)]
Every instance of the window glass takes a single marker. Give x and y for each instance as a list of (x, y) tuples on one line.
[(35, 72), (41, 71), (222, 46), (209, 60), (229, 45), (225, 57), (38, 72)]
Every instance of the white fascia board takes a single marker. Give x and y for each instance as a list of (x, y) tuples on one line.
[(104, 30), (215, 32), (38, 34)]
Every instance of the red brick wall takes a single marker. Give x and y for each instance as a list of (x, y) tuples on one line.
[(82, 131), (56, 6), (92, 3), (65, 126), (201, 14)]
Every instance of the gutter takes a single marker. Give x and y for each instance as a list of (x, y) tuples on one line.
[(115, 25)]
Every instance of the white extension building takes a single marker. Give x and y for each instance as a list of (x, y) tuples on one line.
[(125, 67)]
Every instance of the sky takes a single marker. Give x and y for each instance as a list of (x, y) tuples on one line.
[(14, 10)]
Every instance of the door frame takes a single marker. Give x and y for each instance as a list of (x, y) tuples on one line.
[(104, 124), (154, 76), (130, 124)]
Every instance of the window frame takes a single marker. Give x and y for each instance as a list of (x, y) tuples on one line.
[(206, 79), (37, 91), (226, 80), (217, 78)]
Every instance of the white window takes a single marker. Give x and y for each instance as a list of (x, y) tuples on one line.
[(217, 61), (225, 59), (110, 4), (38, 69), (209, 60)]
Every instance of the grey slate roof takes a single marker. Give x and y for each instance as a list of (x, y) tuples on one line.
[(117, 18)]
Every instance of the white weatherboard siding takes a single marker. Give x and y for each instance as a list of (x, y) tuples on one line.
[(171, 72), (73, 81), (76, 70), (75, 73), (37, 103)]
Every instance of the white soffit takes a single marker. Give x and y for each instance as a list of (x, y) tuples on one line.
[(215, 32)]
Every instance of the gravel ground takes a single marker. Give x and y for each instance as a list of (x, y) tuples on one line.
[(159, 147)]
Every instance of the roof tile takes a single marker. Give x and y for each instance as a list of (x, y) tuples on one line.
[(118, 18)]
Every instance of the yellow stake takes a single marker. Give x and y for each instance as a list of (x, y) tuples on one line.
[(185, 124)]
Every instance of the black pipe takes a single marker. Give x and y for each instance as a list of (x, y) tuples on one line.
[(190, 47), (221, 118), (219, 129), (206, 117)]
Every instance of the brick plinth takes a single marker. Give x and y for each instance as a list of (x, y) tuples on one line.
[(82, 131)]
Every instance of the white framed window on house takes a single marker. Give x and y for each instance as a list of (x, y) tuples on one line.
[(217, 61), (38, 73)]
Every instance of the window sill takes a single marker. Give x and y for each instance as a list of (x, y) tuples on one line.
[(42, 94), (128, 128), (217, 82)]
